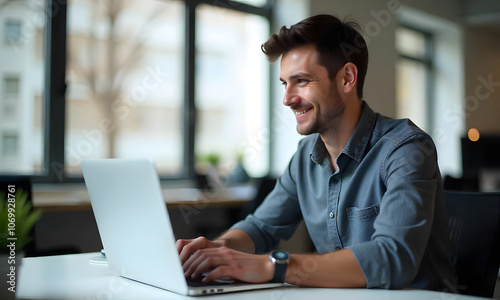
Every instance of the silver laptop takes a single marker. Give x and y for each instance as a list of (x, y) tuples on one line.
[(135, 227)]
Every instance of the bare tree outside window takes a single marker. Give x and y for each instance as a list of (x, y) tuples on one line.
[(122, 54), (125, 68)]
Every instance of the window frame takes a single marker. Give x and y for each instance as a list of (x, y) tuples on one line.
[(54, 104), (428, 62)]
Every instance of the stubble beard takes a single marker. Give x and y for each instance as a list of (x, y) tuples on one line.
[(321, 125)]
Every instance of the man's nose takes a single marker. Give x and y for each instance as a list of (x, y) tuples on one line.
[(290, 97)]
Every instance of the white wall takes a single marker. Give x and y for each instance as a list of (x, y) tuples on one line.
[(378, 20)]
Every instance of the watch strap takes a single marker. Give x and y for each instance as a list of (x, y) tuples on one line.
[(279, 272)]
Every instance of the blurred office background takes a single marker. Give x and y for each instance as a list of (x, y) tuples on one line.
[(179, 81), (184, 83)]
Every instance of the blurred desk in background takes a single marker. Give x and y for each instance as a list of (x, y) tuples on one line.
[(68, 225), (75, 197)]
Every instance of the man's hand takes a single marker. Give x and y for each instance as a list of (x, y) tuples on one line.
[(188, 247), (226, 262), (315, 270)]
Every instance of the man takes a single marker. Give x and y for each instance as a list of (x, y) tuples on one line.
[(368, 187)]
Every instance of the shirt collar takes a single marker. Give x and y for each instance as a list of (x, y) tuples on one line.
[(356, 146), (319, 153), (357, 143)]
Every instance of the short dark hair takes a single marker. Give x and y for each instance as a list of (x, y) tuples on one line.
[(337, 43)]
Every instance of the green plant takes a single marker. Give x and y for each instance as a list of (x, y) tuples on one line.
[(240, 157), (17, 218), (212, 158)]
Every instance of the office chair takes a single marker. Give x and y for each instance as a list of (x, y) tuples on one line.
[(461, 184), (475, 236)]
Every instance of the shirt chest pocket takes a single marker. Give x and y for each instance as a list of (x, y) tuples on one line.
[(362, 215)]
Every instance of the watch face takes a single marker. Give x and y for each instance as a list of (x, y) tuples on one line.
[(280, 255)]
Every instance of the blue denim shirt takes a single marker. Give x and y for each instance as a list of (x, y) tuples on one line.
[(384, 203)]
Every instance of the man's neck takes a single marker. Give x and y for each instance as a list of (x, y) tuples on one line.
[(337, 136)]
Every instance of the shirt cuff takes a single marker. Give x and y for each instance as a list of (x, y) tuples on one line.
[(259, 240), (369, 256)]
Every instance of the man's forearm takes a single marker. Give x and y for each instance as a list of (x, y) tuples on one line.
[(335, 269), (236, 239)]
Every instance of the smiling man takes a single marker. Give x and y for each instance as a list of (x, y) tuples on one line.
[(368, 187)]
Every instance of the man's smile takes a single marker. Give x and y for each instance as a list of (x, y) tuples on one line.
[(301, 112), (298, 113)]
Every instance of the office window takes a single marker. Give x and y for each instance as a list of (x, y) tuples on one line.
[(10, 145), (10, 88), (10, 95), (232, 88), (127, 70), (22, 86), (136, 82), (125, 82), (414, 73), (12, 31)]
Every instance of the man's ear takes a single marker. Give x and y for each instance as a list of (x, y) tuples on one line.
[(349, 77)]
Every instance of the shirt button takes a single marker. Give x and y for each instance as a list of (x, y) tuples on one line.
[(332, 215), (337, 248), (335, 180)]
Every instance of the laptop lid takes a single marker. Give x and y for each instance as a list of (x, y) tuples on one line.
[(133, 222), (135, 227)]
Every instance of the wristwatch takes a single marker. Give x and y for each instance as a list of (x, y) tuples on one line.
[(280, 260)]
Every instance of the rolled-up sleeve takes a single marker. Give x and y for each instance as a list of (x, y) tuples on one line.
[(391, 259), (276, 218)]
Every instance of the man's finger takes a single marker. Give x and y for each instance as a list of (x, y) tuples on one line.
[(180, 243), (190, 247), (220, 271), (205, 260), (197, 263), (185, 253)]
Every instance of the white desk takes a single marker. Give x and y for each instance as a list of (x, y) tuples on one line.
[(73, 277)]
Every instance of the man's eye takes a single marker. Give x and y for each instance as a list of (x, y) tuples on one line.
[(283, 84), (302, 81)]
